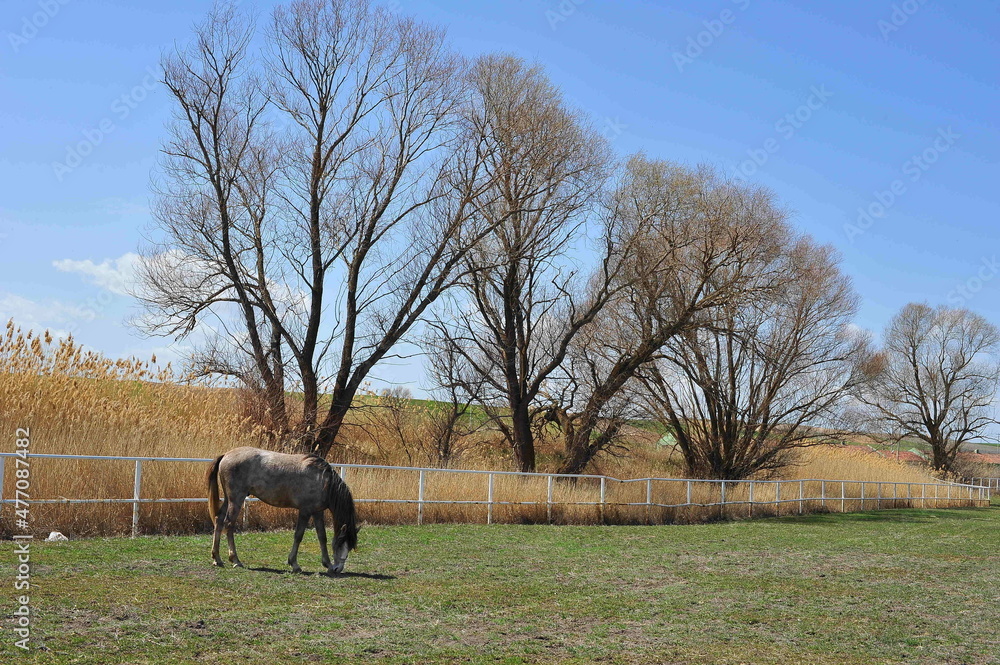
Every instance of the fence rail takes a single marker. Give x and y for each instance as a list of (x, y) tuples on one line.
[(817, 492)]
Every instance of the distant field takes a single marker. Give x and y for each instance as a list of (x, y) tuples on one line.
[(905, 586)]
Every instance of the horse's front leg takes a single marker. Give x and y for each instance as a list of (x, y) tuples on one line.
[(234, 511), (300, 529), (321, 535)]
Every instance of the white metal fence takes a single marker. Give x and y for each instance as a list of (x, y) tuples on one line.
[(992, 483), (807, 493)]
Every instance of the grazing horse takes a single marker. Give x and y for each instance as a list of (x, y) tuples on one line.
[(305, 482)]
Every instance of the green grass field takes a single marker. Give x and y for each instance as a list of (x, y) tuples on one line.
[(907, 586)]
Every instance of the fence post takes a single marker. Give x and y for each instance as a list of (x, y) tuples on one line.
[(649, 498), (689, 492), (548, 500), (489, 499), (777, 497), (802, 496), (822, 492), (135, 497), (420, 497), (751, 500), (862, 495), (843, 497), (923, 495), (722, 508), (878, 501), (603, 483), (343, 473), (1, 484)]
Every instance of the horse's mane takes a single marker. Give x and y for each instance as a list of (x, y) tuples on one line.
[(341, 501)]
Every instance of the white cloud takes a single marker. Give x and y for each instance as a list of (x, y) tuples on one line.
[(115, 275), (58, 318)]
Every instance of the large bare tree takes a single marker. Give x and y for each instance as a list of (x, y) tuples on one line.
[(767, 373), (315, 199), (692, 242), (563, 346), (521, 301), (935, 380)]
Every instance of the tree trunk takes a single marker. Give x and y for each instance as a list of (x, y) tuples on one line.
[(941, 458), (276, 409), (325, 435), (579, 456), (524, 443)]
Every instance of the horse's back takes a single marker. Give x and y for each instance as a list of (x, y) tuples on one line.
[(279, 479), (247, 457)]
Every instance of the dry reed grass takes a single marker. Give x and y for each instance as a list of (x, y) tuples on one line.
[(78, 402)]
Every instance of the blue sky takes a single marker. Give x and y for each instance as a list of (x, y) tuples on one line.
[(874, 122)]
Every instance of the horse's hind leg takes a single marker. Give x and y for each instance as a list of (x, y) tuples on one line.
[(321, 535), (220, 520), (300, 529), (234, 511)]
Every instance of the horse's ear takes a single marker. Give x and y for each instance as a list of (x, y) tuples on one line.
[(343, 530)]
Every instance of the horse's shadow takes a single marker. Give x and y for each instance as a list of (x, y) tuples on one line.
[(286, 571)]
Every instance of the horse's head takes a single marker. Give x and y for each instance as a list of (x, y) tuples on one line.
[(346, 521), (345, 541)]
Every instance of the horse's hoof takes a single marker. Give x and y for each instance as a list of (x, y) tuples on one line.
[(218, 563), (296, 569), (238, 564)]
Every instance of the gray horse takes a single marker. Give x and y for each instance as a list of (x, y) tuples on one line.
[(305, 482)]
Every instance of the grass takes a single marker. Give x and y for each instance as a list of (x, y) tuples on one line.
[(906, 586)]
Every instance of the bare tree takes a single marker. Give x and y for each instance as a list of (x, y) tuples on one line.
[(316, 198), (213, 205), (689, 242), (767, 373), (673, 242), (521, 302), (935, 379), (422, 432), (392, 423), (455, 417)]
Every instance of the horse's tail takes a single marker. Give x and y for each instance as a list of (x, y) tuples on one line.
[(212, 477)]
